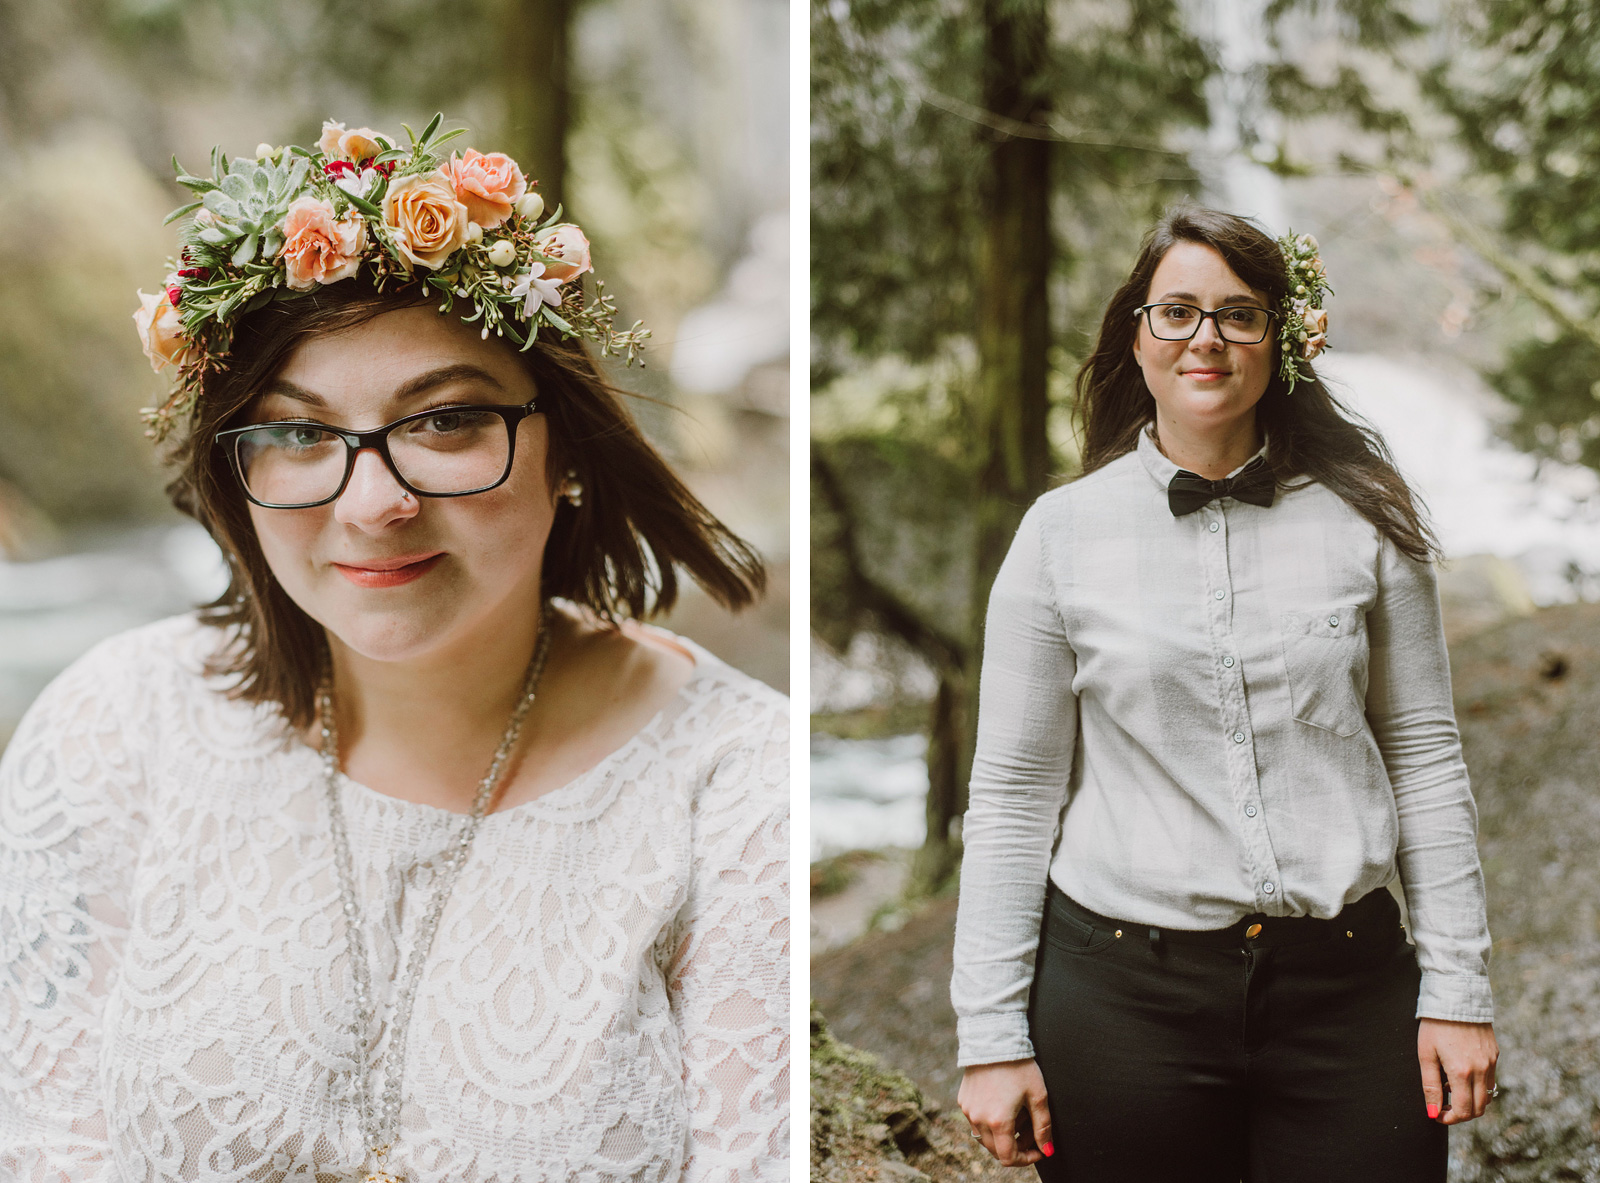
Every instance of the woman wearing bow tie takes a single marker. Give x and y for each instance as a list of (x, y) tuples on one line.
[(1214, 723)]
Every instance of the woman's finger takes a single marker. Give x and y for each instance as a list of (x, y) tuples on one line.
[(1005, 1142), (1039, 1112), (1432, 1082)]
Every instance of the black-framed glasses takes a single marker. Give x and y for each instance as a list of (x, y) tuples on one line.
[(1241, 324), (449, 451)]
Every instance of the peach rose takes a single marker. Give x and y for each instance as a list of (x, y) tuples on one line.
[(488, 186), (1316, 322), (318, 249), (355, 146), (160, 331), (428, 222), (567, 250)]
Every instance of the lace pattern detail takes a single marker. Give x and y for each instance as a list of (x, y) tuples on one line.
[(607, 997)]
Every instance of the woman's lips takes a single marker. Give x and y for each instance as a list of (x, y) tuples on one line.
[(1205, 375), (389, 572)]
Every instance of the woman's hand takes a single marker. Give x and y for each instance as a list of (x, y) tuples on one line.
[(992, 1096), (1466, 1054)]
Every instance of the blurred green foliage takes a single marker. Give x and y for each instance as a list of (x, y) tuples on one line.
[(898, 150), (70, 368), (1524, 93), (1555, 387)]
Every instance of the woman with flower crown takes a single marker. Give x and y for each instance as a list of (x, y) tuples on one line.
[(412, 856), (1214, 723)]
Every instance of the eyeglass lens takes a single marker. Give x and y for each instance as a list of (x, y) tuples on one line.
[(455, 451), (1240, 324)]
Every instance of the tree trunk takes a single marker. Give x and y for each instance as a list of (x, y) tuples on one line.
[(937, 859), (1011, 403), (536, 37)]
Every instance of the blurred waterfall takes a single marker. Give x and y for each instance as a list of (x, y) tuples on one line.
[(54, 610), (1235, 181)]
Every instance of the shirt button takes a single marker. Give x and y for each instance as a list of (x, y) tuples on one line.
[(1214, 527), (1333, 622), (1218, 593), (1238, 737), (1268, 889), (1249, 810), (1228, 661)]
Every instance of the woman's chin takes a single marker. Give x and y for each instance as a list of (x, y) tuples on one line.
[(1207, 410), (398, 637)]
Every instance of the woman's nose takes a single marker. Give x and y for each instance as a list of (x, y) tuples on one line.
[(1207, 336), (372, 498)]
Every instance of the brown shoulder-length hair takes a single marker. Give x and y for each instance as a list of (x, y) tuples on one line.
[(1309, 432), (618, 554)]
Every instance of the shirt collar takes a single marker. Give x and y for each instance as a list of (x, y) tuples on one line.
[(1162, 470)]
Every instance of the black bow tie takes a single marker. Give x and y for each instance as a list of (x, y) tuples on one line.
[(1188, 491)]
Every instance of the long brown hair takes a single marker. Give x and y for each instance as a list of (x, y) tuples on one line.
[(618, 555), (1309, 432)]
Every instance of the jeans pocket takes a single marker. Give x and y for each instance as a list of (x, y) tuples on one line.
[(1325, 657), (1069, 933)]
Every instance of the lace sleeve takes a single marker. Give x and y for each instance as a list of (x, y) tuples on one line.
[(729, 975), (69, 826)]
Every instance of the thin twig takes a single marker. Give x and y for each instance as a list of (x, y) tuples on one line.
[(1054, 129)]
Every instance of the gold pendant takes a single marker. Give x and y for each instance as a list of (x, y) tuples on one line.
[(380, 1173)]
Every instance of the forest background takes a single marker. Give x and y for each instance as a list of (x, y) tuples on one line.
[(661, 124), (981, 173)]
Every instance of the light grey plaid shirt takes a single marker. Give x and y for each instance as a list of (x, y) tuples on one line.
[(1186, 720)]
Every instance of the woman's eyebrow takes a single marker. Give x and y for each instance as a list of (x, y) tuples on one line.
[(1227, 301), (410, 388), (444, 375)]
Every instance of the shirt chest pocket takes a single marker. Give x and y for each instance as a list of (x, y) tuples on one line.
[(1325, 655)]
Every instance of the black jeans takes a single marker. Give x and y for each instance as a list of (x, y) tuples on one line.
[(1286, 1056)]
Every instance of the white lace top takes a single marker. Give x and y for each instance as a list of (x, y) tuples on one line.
[(606, 998)]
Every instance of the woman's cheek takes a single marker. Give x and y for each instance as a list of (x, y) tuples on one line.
[(288, 539)]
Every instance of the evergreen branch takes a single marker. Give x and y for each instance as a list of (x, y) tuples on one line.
[(1523, 277), (896, 616)]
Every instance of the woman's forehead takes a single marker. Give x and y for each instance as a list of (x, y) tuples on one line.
[(1193, 270), (398, 358)]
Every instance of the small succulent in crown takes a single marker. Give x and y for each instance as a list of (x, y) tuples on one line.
[(1305, 324), (294, 219)]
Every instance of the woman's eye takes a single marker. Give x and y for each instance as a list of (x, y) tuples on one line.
[(295, 437), (1176, 313), (1243, 316), (443, 423)]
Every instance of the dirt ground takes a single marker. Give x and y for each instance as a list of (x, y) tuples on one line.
[(1528, 702)]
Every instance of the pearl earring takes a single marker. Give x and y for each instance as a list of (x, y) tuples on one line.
[(572, 489)]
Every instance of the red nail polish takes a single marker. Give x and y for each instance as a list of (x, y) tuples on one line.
[(1433, 1111), (1048, 1148)]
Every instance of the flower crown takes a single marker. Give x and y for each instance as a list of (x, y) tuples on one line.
[(295, 219), (1305, 325)]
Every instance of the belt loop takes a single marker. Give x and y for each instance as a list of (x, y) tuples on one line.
[(1155, 941)]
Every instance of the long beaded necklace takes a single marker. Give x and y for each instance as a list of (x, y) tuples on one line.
[(380, 1116)]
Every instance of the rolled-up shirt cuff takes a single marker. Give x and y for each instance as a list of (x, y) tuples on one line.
[(1459, 998), (993, 1039)]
